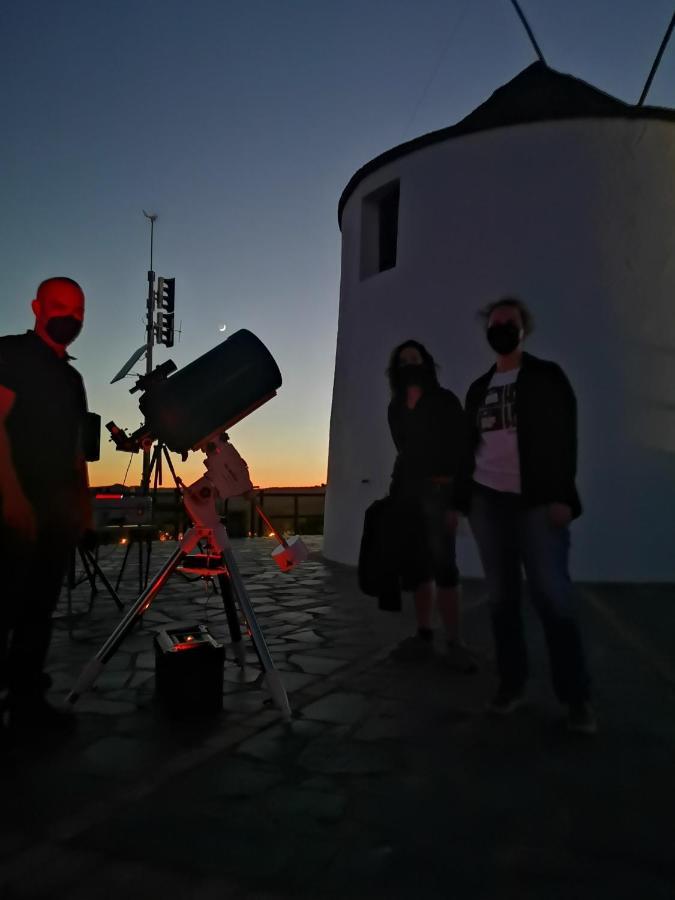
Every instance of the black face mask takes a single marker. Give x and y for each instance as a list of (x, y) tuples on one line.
[(503, 338), (63, 329), (412, 375)]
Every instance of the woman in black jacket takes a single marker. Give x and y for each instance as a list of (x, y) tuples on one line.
[(517, 484), (427, 426)]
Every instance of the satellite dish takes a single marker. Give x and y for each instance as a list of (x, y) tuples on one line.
[(128, 365)]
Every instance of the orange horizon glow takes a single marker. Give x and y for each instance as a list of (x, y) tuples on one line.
[(265, 473)]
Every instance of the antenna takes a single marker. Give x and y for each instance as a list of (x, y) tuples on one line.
[(150, 333), (652, 72), (129, 364), (527, 28)]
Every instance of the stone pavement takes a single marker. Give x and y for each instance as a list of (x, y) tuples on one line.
[(389, 782)]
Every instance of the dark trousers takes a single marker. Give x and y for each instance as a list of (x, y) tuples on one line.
[(509, 539), (31, 576)]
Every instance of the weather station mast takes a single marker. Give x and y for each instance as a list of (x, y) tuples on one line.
[(160, 325), (159, 329)]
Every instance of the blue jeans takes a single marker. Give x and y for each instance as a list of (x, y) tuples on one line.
[(511, 538)]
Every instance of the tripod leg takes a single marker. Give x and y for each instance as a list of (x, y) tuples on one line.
[(90, 576), (232, 618), (140, 565), (96, 570), (274, 681), (148, 554), (124, 564), (96, 665)]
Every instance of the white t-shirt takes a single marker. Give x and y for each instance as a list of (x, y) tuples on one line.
[(497, 460)]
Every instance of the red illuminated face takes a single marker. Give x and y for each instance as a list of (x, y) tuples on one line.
[(59, 312)]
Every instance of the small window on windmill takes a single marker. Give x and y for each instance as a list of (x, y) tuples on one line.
[(379, 229)]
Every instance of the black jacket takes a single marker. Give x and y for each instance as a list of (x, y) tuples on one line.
[(429, 439), (546, 415)]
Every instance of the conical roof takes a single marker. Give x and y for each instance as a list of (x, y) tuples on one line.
[(537, 94)]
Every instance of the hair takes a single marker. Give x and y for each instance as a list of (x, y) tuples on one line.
[(427, 361), (60, 278), (525, 314)]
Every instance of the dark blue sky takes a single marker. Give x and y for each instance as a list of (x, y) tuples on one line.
[(240, 124)]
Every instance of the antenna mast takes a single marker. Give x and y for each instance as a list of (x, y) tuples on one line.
[(652, 73), (527, 28), (150, 331)]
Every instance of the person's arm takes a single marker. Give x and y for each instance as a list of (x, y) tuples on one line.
[(466, 456), (451, 437), (392, 419), (565, 416), (86, 518), (17, 512)]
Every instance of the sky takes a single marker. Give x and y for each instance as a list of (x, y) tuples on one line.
[(240, 124)]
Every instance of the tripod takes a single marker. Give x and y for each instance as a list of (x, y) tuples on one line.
[(92, 570), (154, 469), (227, 475)]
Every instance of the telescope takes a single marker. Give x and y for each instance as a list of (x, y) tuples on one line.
[(187, 408), (190, 409)]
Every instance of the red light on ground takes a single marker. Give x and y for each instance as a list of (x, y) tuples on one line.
[(109, 497)]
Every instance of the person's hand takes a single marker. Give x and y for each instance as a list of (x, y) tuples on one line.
[(19, 515), (559, 514), (451, 520)]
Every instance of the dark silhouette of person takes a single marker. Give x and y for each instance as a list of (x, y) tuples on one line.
[(43, 494), (518, 486), (427, 427)]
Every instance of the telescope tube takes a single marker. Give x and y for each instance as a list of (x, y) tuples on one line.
[(212, 393)]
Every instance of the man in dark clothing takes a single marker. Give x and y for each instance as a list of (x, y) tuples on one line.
[(517, 485), (43, 491)]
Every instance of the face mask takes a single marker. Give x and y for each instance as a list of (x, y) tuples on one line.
[(412, 375), (504, 338), (63, 329)]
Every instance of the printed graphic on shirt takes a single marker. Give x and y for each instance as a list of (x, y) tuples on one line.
[(498, 410)]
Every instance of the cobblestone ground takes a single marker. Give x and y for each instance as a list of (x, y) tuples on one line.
[(390, 781)]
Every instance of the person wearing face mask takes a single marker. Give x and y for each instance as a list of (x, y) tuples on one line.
[(517, 485), (426, 424), (44, 500)]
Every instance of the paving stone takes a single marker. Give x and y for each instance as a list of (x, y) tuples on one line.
[(90, 703), (316, 665), (303, 803), (112, 679), (307, 637), (295, 681), (146, 660), (235, 675), (118, 756), (324, 755), (141, 679), (340, 708), (49, 870)]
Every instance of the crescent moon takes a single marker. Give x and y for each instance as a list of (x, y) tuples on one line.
[(224, 328)]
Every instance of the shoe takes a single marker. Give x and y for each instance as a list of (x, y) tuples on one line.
[(460, 659), (505, 702), (413, 649), (37, 715), (581, 719)]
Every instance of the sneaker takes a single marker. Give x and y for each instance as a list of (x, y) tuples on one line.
[(460, 659), (581, 719), (37, 715), (413, 649), (505, 702)]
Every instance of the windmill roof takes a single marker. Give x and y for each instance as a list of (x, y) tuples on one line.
[(537, 94)]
